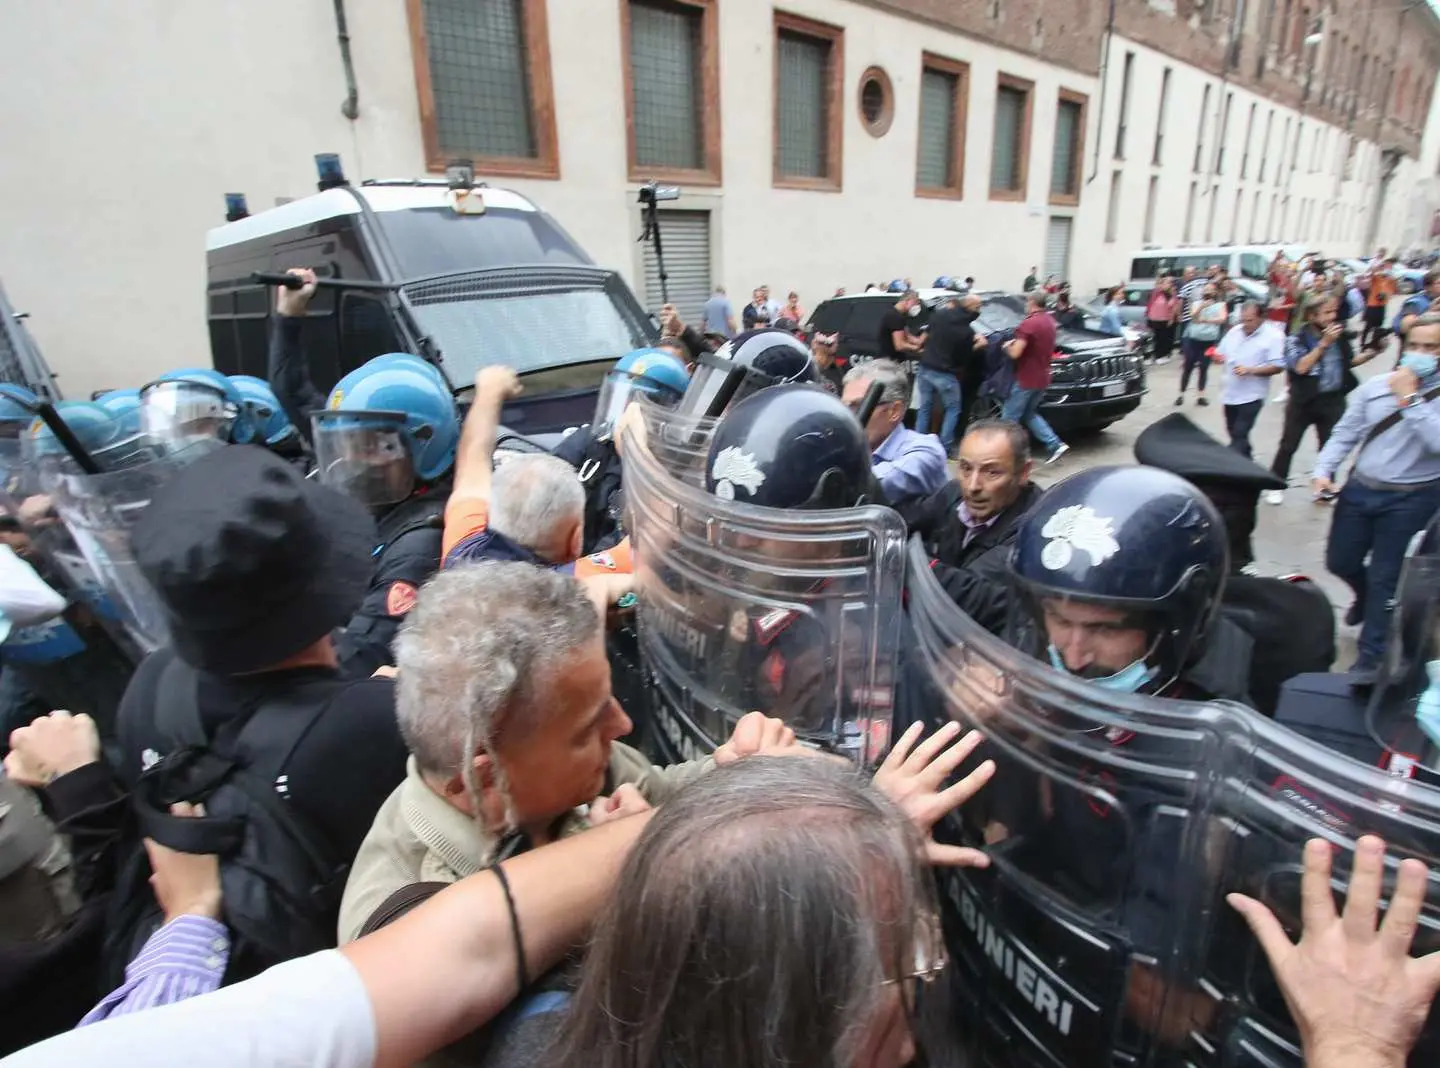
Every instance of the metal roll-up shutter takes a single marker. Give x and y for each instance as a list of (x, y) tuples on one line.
[(1057, 247), (685, 237)]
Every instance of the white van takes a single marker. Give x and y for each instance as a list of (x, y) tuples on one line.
[(1239, 261)]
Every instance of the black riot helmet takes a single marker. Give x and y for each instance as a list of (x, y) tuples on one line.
[(1403, 714), (752, 361), (1134, 538), (793, 446)]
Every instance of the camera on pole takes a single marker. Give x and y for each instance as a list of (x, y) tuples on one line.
[(650, 195)]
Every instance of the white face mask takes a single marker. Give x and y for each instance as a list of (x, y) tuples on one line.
[(914, 311)]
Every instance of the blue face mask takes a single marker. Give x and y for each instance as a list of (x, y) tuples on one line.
[(1427, 712), (1126, 680), (1422, 363)]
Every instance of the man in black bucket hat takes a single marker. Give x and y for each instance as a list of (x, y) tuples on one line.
[(245, 711)]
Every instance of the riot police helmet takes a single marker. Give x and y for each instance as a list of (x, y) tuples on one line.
[(897, 285), (182, 408), (752, 361), (129, 443), (267, 414), (793, 446), (17, 411), (112, 438), (1119, 572), (387, 426), (654, 373), (944, 282)]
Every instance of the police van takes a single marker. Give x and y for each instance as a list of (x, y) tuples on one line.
[(457, 272)]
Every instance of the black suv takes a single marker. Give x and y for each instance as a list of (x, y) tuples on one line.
[(1096, 378)]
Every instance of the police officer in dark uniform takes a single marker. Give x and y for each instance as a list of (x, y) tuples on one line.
[(769, 620), (650, 372), (386, 435)]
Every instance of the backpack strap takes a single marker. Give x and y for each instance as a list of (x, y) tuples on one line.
[(1394, 418)]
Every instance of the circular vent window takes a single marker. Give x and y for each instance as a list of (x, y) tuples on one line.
[(877, 102)]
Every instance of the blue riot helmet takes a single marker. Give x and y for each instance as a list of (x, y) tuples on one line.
[(409, 359), (131, 444), (944, 282), (266, 414), (194, 405), (387, 426), (794, 446), (748, 363), (897, 285), (1135, 539), (113, 439), (654, 373), (17, 412)]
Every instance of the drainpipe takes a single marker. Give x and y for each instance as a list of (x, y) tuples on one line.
[(351, 107), (1104, 79)]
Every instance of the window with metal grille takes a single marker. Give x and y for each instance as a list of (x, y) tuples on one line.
[(1008, 160), (1124, 120), (666, 61), (1150, 199), (1065, 163), (485, 84), (803, 69), (1160, 116), (939, 165)]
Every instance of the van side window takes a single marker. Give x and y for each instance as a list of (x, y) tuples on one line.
[(1252, 265), (365, 330)]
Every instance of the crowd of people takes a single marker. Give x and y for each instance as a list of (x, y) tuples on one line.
[(368, 800)]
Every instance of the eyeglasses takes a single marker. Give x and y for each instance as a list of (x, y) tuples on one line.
[(930, 955)]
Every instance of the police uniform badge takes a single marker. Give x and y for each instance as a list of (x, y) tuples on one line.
[(1077, 527)]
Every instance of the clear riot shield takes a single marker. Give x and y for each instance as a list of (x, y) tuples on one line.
[(679, 441), (1116, 824), (794, 614), (98, 512)]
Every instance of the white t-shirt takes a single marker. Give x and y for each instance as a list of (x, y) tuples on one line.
[(312, 1012), (1264, 348)]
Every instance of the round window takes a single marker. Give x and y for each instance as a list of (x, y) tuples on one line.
[(877, 102)]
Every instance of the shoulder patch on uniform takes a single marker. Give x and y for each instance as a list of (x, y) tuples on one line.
[(604, 560), (400, 598)]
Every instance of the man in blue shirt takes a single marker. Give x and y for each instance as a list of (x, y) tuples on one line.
[(907, 464), (1392, 423), (1416, 305), (1318, 359)]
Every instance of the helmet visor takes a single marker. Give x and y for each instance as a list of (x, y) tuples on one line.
[(177, 415), (364, 455), (618, 390), (711, 380)]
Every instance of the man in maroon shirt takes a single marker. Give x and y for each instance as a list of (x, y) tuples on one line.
[(1032, 349)]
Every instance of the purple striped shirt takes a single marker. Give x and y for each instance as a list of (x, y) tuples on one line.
[(183, 959)]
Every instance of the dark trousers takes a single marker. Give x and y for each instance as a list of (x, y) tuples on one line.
[(1373, 335), (1195, 360), (1321, 411), (1239, 421), (1164, 335), (1380, 524)]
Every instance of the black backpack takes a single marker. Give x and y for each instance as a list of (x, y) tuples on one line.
[(281, 887)]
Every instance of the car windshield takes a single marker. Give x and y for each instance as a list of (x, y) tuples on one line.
[(430, 241), (1000, 313), (529, 332)]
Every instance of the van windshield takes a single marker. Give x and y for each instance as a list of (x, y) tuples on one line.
[(529, 331), (429, 241)]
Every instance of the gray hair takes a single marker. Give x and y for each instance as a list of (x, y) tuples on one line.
[(755, 923), (478, 654), (894, 383), (1018, 435), (1255, 306), (535, 499)]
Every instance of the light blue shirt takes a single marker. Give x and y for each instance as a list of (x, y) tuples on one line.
[(1329, 368), (718, 314), (1409, 452), (1264, 348), (909, 464), (1110, 321)]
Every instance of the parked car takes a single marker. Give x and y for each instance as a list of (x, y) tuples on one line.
[(1097, 379)]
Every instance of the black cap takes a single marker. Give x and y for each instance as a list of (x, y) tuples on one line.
[(252, 562)]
